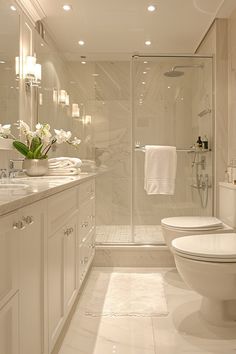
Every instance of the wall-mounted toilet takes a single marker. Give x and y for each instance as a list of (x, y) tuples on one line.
[(207, 263), (180, 226), (207, 260)]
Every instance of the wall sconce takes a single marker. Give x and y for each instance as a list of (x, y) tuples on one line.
[(75, 110), (62, 97), (40, 99), (32, 71), (67, 100), (87, 120), (55, 95)]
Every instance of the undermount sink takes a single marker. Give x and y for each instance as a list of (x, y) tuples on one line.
[(46, 178), (12, 187)]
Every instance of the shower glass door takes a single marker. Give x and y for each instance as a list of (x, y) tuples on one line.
[(172, 105)]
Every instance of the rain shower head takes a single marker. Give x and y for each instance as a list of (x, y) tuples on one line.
[(176, 73)]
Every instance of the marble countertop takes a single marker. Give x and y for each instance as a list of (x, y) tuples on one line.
[(34, 189)]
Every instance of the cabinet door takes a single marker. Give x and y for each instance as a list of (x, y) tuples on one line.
[(70, 232), (31, 272), (9, 327), (8, 257)]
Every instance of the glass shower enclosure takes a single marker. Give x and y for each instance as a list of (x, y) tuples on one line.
[(155, 100)]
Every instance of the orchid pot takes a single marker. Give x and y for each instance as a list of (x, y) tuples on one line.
[(35, 167)]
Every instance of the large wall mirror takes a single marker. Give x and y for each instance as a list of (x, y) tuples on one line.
[(9, 51), (65, 86)]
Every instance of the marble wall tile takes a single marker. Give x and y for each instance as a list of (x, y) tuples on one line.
[(216, 44), (158, 256)]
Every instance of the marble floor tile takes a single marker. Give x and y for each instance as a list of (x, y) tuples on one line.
[(143, 234), (105, 335), (183, 331)]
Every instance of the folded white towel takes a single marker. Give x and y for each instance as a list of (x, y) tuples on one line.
[(64, 172), (160, 169), (63, 162)]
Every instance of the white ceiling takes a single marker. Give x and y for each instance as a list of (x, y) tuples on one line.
[(118, 28)]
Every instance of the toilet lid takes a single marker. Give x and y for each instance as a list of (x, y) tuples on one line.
[(211, 247), (192, 222)]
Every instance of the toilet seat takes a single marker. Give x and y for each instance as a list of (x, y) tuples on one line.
[(219, 248), (192, 223)]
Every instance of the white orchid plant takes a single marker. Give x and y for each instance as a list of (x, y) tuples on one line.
[(39, 142), (5, 131)]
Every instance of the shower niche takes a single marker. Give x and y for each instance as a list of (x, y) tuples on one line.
[(169, 103)]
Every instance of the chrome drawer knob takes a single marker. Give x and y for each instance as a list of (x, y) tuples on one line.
[(18, 225), (28, 220)]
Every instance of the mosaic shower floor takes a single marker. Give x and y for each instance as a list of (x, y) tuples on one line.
[(144, 234)]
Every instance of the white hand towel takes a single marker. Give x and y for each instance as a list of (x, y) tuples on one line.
[(61, 162), (64, 172), (160, 169)]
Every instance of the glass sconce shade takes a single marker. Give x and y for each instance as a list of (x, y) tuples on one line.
[(75, 110)]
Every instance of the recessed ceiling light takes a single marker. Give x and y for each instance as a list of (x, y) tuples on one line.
[(81, 42), (2, 62), (66, 7), (148, 43), (143, 82), (145, 62), (83, 62), (168, 87), (13, 8), (144, 72), (95, 74), (151, 8)]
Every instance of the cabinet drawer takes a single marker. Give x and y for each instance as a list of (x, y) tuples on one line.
[(60, 206), (86, 191), (86, 219)]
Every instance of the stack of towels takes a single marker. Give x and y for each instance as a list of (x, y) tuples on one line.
[(160, 169), (64, 166)]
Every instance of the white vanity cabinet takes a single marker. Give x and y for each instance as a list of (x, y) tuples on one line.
[(46, 249), (21, 281)]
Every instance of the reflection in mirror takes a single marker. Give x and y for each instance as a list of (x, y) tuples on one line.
[(61, 99), (9, 50)]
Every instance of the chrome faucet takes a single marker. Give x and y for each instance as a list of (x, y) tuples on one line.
[(3, 174), (13, 170)]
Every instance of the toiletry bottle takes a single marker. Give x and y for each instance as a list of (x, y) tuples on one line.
[(199, 142), (205, 143)]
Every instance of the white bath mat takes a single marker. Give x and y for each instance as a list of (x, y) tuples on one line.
[(128, 294)]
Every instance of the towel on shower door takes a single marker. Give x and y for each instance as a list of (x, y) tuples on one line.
[(160, 169)]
